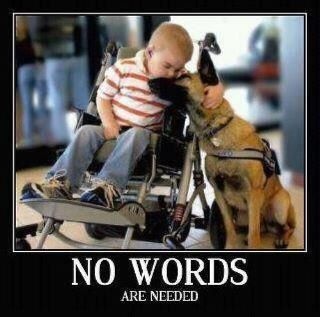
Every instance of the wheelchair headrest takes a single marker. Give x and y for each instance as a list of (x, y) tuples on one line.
[(126, 52)]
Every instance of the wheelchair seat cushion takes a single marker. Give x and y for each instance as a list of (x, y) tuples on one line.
[(105, 150), (101, 156)]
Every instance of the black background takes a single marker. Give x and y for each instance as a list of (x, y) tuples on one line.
[(279, 283)]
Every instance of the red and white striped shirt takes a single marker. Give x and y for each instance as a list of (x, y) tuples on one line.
[(133, 104)]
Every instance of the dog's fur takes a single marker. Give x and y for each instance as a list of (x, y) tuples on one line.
[(240, 185)]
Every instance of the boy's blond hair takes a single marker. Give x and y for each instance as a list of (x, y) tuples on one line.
[(172, 36)]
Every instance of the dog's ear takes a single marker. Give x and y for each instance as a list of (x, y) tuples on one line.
[(167, 89), (206, 69)]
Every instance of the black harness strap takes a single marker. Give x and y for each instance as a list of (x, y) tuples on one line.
[(215, 130), (267, 157)]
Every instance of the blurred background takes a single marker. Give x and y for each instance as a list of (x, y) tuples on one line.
[(57, 59)]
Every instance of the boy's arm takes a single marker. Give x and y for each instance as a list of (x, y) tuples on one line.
[(106, 92), (110, 125)]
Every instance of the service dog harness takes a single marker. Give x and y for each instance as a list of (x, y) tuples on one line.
[(267, 157)]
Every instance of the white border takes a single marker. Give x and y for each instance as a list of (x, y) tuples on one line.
[(305, 250)]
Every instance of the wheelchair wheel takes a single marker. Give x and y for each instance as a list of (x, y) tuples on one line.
[(99, 232), (216, 228), (93, 231), (157, 226), (22, 244)]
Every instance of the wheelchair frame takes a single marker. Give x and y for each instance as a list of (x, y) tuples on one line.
[(133, 212)]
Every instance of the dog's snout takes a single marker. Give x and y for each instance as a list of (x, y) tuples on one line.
[(158, 84), (153, 85)]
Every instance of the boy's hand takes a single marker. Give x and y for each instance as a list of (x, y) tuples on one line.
[(213, 96), (112, 130)]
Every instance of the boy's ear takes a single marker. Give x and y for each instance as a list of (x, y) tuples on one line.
[(149, 50), (206, 69)]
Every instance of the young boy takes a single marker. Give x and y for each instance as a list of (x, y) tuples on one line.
[(128, 111)]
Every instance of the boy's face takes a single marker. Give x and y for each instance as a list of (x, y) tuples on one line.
[(164, 63)]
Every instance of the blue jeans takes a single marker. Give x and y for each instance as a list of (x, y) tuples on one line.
[(30, 80), (68, 83), (116, 170)]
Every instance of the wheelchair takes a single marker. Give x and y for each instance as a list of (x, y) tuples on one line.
[(170, 161)]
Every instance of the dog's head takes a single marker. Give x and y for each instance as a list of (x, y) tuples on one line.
[(187, 91)]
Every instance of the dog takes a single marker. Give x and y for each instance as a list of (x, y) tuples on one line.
[(245, 187)]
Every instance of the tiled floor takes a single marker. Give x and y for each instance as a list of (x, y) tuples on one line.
[(198, 239)]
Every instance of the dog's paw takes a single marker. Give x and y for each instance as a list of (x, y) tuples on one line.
[(234, 245), (281, 243)]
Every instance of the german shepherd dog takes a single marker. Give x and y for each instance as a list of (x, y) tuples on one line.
[(243, 186)]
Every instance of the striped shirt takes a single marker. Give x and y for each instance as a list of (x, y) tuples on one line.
[(133, 104)]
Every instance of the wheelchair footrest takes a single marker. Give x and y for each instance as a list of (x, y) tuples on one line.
[(128, 214)]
